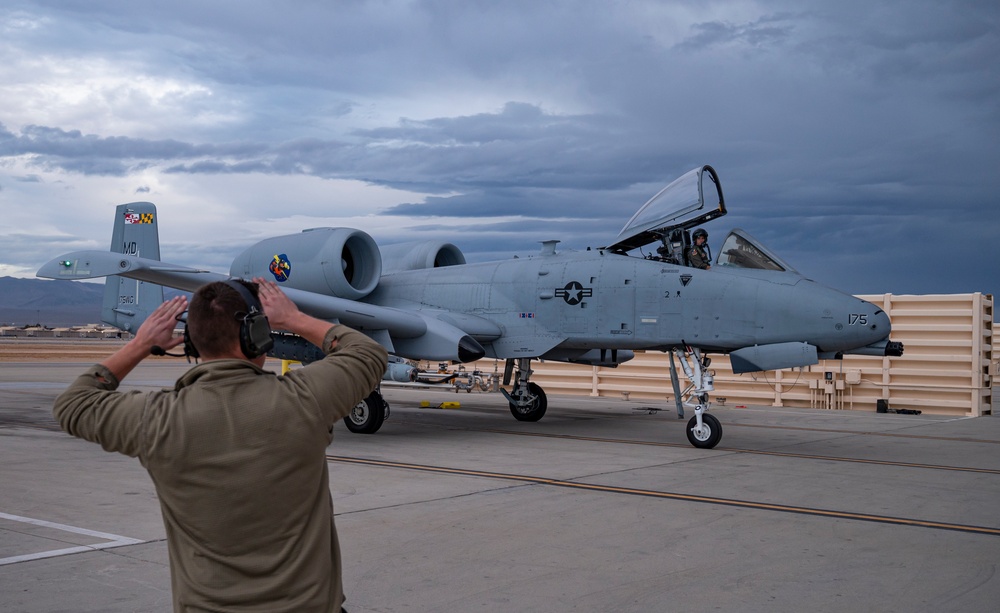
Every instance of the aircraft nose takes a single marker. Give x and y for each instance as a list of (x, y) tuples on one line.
[(867, 323), (879, 325), (874, 333), (854, 323)]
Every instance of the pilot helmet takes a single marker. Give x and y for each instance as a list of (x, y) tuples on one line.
[(699, 232)]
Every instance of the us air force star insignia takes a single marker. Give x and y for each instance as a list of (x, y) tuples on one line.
[(574, 293)]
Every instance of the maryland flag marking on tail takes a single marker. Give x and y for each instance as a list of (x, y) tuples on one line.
[(132, 218)]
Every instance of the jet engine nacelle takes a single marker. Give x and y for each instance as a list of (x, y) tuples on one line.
[(419, 255), (342, 262)]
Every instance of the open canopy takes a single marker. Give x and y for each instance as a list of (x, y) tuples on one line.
[(693, 199)]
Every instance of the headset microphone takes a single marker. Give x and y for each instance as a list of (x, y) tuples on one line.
[(158, 351), (190, 351)]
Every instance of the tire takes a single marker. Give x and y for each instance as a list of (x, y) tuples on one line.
[(367, 416), (534, 410), (710, 435)]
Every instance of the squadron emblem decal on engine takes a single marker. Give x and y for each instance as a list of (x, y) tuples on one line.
[(280, 267), (574, 293)]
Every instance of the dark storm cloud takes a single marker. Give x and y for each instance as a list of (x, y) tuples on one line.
[(859, 139), (762, 32), (520, 146), (565, 203), (73, 151)]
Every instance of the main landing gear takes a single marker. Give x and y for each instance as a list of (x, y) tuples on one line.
[(527, 400), (703, 430), (368, 415)]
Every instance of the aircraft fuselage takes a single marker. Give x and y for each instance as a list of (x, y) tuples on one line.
[(600, 300)]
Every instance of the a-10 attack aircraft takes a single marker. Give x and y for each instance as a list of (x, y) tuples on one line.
[(422, 301)]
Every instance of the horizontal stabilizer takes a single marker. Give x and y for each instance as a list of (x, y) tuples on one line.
[(94, 264), (773, 357)]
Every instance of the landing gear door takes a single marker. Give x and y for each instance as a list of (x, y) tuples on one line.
[(691, 200)]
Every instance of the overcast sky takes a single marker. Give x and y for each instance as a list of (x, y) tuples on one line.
[(859, 140)]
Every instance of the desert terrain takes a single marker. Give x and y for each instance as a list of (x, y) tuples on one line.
[(59, 349)]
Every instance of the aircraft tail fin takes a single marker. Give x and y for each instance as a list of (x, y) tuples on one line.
[(128, 302)]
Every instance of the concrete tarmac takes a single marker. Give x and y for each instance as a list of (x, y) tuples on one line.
[(600, 506)]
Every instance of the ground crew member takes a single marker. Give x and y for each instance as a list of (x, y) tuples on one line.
[(237, 453)]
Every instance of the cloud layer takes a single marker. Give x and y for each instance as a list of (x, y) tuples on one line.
[(858, 140)]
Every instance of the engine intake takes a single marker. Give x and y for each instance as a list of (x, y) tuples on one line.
[(343, 262), (419, 255)]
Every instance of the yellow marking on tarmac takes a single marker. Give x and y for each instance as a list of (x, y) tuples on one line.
[(425, 404), (732, 502)]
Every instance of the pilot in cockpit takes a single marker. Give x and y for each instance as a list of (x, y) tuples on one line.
[(698, 255)]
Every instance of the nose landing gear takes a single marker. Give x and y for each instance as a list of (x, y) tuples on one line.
[(703, 430)]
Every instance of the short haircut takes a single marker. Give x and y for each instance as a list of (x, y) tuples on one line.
[(214, 317)]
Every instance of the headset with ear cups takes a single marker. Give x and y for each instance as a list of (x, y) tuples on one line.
[(190, 351), (255, 331)]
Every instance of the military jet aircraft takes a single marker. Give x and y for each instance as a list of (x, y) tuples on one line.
[(422, 301)]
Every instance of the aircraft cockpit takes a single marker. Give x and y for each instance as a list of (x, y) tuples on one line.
[(668, 217), (740, 250)]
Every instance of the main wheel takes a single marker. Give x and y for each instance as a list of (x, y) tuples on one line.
[(367, 416), (708, 436), (534, 409)]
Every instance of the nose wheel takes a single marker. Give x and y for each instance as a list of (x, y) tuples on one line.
[(707, 435), (704, 431)]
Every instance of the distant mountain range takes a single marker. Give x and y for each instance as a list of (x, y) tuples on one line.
[(51, 303)]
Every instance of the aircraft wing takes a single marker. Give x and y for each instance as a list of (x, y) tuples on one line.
[(432, 336)]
